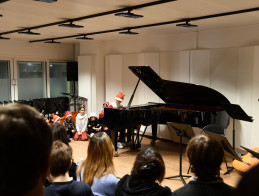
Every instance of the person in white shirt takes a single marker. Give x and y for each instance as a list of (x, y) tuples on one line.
[(81, 124)]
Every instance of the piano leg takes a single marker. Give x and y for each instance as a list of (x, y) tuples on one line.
[(129, 136), (132, 143), (114, 137), (154, 133), (138, 145)]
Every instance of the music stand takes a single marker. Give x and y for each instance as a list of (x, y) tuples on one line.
[(228, 149), (180, 133)]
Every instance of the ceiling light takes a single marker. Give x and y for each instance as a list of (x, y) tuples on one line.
[(4, 37), (85, 38), (186, 24), (71, 25), (29, 32), (52, 42), (129, 32), (128, 14), (47, 1), (1, 15)]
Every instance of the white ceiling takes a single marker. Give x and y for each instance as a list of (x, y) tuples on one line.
[(27, 13)]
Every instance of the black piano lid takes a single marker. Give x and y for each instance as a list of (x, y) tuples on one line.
[(187, 94)]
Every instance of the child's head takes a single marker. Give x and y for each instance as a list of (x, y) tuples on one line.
[(59, 133), (149, 166), (105, 104), (100, 147), (25, 145), (68, 116), (82, 110), (99, 161), (60, 158), (119, 97), (56, 119), (205, 155), (93, 116)]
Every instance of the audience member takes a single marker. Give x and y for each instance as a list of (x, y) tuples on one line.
[(81, 124), (60, 162), (25, 145), (105, 105), (205, 156), (93, 125), (70, 125), (56, 118), (97, 169), (59, 133), (101, 115), (146, 175)]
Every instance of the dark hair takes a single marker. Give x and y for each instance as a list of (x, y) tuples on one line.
[(60, 158), (25, 144), (60, 133), (81, 106), (148, 166), (205, 155)]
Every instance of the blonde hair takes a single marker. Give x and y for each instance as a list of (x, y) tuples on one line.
[(99, 161)]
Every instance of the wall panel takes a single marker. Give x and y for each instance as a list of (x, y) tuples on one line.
[(85, 84), (113, 76), (200, 67)]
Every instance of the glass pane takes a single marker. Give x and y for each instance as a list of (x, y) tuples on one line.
[(4, 81), (31, 80), (58, 79)]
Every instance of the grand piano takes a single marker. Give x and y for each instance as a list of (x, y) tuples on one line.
[(184, 103)]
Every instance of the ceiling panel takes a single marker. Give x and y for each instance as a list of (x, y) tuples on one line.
[(28, 13)]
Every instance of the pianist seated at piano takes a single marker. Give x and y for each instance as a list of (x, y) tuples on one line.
[(205, 156), (146, 175), (117, 105)]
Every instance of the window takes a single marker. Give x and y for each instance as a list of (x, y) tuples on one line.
[(5, 81), (58, 80), (31, 79)]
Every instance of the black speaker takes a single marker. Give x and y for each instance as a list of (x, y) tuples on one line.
[(72, 71)]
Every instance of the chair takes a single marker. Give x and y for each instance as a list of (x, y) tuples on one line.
[(214, 128), (218, 129)]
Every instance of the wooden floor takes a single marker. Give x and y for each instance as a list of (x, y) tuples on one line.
[(170, 154)]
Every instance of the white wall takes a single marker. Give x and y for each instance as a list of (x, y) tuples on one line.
[(24, 49), (94, 51), (217, 58)]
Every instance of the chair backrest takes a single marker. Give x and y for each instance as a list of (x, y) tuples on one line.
[(214, 128)]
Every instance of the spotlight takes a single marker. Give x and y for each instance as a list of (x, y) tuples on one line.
[(129, 15), (29, 32), (1, 15), (71, 25), (186, 24), (52, 42), (4, 37), (85, 38), (129, 32)]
